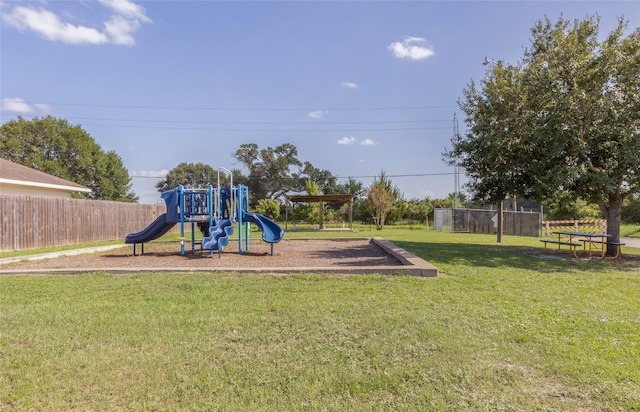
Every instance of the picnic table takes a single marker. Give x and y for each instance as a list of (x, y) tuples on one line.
[(595, 241)]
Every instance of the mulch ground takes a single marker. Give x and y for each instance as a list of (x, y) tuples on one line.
[(296, 253)]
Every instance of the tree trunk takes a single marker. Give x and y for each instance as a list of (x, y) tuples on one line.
[(612, 212)]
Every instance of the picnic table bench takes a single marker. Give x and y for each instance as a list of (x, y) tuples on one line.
[(604, 243), (586, 238), (572, 245)]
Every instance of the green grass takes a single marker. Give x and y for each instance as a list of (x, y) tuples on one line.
[(304, 230), (500, 329), (630, 230), (58, 248)]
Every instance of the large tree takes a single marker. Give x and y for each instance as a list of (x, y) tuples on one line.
[(562, 124), (193, 175), (58, 148), (351, 186), (276, 171), (270, 175), (324, 179), (198, 175)]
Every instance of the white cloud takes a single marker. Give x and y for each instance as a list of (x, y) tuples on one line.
[(413, 48), (125, 22), (353, 140), (317, 114), (152, 173), (49, 26), (127, 9), (19, 105), (118, 29), (349, 85), (16, 105), (347, 140), (43, 107)]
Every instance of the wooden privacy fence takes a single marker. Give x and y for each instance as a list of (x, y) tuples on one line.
[(576, 225), (33, 222)]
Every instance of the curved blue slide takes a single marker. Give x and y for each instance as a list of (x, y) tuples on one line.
[(271, 231), (157, 228), (218, 235)]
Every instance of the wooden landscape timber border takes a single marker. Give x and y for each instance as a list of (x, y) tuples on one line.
[(34, 222), (576, 225)]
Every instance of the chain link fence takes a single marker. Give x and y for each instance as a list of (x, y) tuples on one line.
[(486, 221)]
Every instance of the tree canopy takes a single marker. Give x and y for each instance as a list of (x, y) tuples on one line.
[(563, 124), (276, 171), (270, 175), (382, 196), (351, 187), (193, 175), (323, 179), (56, 147)]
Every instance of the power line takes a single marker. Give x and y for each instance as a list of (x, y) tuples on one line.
[(312, 128), (270, 130), (253, 123), (337, 177), (246, 108)]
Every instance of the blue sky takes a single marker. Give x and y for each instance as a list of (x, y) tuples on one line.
[(358, 87)]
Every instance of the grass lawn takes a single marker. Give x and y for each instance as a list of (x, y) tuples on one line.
[(501, 329)]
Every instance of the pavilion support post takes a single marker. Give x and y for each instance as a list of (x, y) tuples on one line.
[(293, 216), (286, 214)]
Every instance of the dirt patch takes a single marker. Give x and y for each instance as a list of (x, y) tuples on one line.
[(341, 255)]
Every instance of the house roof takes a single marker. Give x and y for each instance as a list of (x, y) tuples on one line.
[(16, 174)]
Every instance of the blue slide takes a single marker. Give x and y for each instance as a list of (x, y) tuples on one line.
[(157, 228), (271, 231), (218, 235)]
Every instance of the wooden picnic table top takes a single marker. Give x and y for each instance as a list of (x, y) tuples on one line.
[(585, 234)]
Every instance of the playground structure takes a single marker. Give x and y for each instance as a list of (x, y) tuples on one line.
[(214, 211)]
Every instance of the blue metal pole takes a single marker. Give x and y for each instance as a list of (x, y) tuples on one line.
[(193, 228), (245, 195), (210, 205), (193, 237), (181, 192), (239, 210)]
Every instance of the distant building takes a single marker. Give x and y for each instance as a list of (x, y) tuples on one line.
[(16, 179)]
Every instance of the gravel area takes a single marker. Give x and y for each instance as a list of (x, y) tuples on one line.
[(294, 253)]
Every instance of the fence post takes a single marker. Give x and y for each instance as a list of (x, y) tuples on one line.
[(500, 222)]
